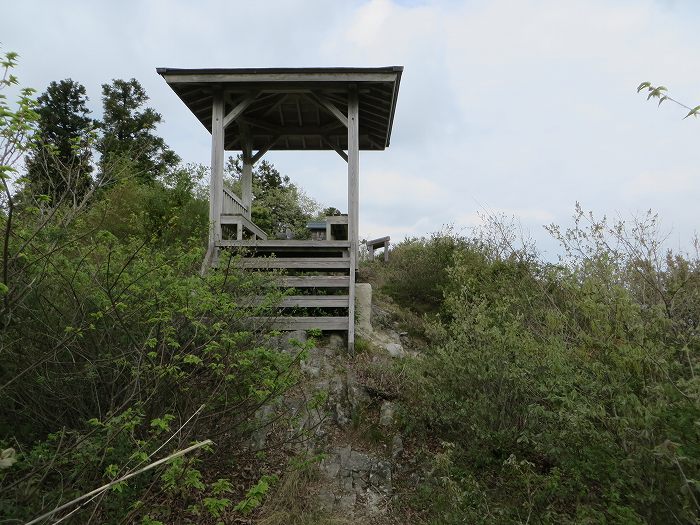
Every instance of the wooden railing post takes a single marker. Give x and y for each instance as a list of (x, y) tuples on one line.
[(216, 181)]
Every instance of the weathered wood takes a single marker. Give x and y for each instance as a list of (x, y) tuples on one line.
[(353, 203), (291, 129), (246, 170), (232, 205), (299, 301), (183, 78), (378, 243), (337, 149), (216, 181), (242, 220), (331, 220), (313, 281), (301, 323), (297, 263), (281, 100), (330, 107), (238, 110), (261, 152), (284, 244)]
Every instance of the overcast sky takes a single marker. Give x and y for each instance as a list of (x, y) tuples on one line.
[(520, 107)]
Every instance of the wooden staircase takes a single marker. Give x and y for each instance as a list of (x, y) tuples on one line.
[(316, 275)]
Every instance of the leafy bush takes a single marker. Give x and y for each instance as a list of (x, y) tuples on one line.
[(563, 393), (115, 352), (417, 272), (111, 330)]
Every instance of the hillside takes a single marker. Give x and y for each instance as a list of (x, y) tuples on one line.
[(488, 384)]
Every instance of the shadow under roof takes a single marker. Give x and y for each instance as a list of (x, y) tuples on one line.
[(290, 110)]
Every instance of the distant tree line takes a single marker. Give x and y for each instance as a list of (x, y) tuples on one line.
[(60, 162)]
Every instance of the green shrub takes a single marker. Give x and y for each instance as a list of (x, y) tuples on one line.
[(561, 396), (417, 272), (109, 347)]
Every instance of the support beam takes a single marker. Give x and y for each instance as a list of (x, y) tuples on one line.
[(291, 129), (216, 180), (282, 98), (259, 155), (238, 110), (330, 108), (337, 149), (353, 203)]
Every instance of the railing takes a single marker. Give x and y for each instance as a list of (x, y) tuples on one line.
[(232, 205)]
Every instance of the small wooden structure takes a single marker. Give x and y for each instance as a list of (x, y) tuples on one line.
[(375, 244), (332, 228), (257, 110)]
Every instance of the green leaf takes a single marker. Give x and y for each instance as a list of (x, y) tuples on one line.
[(192, 360), (643, 85), (111, 470), (693, 112)]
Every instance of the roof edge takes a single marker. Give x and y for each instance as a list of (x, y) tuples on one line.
[(276, 70)]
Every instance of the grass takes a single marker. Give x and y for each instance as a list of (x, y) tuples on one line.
[(294, 502)]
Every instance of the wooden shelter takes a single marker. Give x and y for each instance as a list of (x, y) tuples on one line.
[(257, 110)]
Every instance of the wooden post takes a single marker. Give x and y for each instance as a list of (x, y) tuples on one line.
[(216, 181), (353, 204), (247, 178)]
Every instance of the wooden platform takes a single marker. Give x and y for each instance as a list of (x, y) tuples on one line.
[(282, 245)]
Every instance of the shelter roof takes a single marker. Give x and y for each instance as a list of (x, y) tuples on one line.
[(292, 108)]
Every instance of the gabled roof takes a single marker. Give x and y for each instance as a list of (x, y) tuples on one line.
[(293, 107)]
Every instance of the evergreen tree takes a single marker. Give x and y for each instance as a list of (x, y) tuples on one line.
[(59, 164), (128, 132)]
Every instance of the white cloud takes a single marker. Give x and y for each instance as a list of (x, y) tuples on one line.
[(522, 106)]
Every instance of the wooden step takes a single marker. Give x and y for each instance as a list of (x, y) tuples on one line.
[(300, 263), (302, 301), (313, 281), (301, 323), (284, 244)]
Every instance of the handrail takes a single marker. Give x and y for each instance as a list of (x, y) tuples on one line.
[(232, 205)]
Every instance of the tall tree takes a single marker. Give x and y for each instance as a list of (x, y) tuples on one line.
[(128, 132), (59, 164)]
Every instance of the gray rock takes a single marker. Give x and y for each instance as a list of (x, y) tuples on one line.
[(386, 414), (347, 501), (258, 439), (358, 462), (344, 455), (395, 349), (363, 309), (396, 446), (331, 466), (326, 499)]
